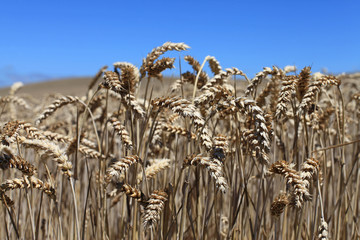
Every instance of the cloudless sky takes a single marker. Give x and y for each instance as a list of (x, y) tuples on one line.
[(42, 40)]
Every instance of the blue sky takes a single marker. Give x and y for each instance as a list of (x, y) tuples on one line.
[(53, 39)]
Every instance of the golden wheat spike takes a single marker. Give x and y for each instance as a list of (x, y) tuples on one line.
[(323, 230), (310, 170), (260, 76), (222, 77), (214, 65), (49, 149), (132, 104), (10, 160), (213, 95), (213, 165), (10, 131), (121, 166), (15, 99), (300, 192), (129, 75), (153, 208), (157, 52), (58, 103), (203, 77), (288, 89), (178, 130), (112, 82), (121, 131), (133, 192), (184, 108), (313, 89), (220, 147), (161, 65), (153, 169), (28, 182), (303, 82), (279, 204), (262, 146)]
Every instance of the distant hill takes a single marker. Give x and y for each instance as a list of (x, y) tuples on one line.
[(67, 86)]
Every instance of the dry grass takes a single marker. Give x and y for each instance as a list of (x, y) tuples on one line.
[(130, 157)]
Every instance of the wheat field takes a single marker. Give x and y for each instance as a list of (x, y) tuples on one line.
[(206, 156)]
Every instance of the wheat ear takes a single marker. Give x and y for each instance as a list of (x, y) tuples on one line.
[(121, 166), (51, 150), (184, 108), (153, 208), (121, 131), (58, 103), (157, 52), (300, 192), (154, 169), (213, 165)]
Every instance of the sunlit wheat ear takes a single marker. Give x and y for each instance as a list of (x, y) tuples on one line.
[(16, 100), (15, 88), (148, 62), (112, 82), (212, 95), (10, 131), (97, 101), (86, 147), (5, 199), (178, 130), (300, 191), (121, 166), (50, 149), (153, 208), (289, 68), (320, 119), (310, 170), (313, 89), (220, 147), (121, 131), (173, 117), (133, 192), (323, 230), (153, 169), (213, 165), (260, 76), (214, 65), (222, 77), (28, 182), (9, 160), (279, 204), (287, 92), (129, 75), (262, 147), (58, 103), (159, 66), (176, 85), (156, 139), (203, 77), (132, 104), (303, 82), (90, 152), (35, 133), (184, 108)]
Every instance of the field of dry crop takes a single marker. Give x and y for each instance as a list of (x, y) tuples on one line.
[(197, 157)]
